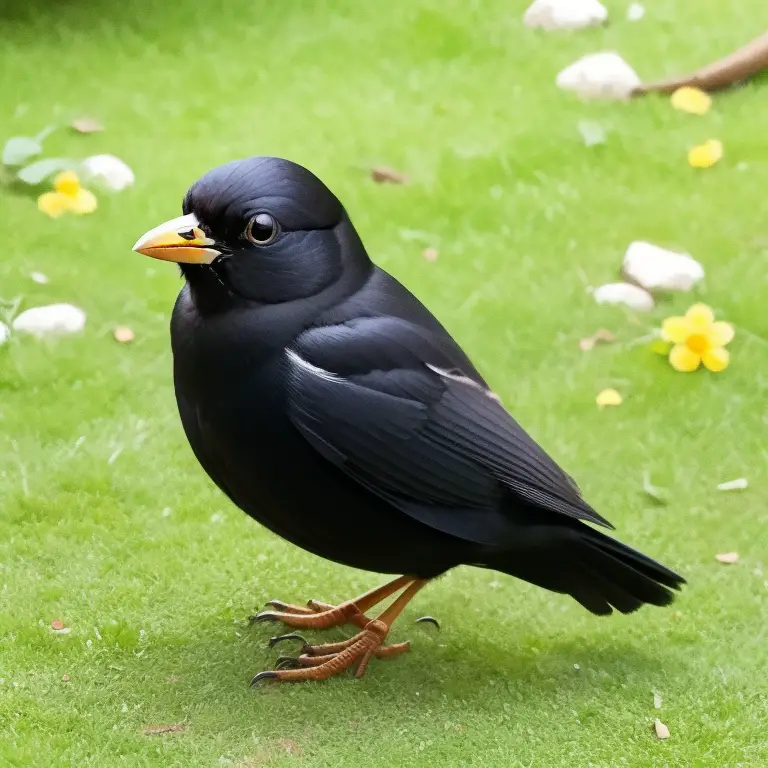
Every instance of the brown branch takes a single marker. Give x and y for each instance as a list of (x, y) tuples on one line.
[(740, 65)]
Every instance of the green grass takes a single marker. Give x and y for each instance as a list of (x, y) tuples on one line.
[(108, 523)]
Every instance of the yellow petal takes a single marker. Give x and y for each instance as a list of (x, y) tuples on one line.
[(608, 397), (681, 358), (53, 204), (721, 334), (67, 183), (699, 317), (83, 202), (675, 329), (692, 100), (705, 155), (716, 359)]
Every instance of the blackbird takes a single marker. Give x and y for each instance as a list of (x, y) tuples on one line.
[(329, 404)]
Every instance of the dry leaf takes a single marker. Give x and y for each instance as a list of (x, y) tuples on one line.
[(705, 155), (382, 174), (87, 125), (602, 335), (154, 730), (124, 334), (662, 731), (57, 625), (657, 700), (734, 485), (727, 557), (692, 100), (65, 678), (288, 746), (608, 397), (430, 254)]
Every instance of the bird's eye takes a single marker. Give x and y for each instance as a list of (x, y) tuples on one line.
[(262, 229)]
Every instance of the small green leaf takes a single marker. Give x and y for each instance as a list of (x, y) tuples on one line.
[(42, 169), (660, 347), (19, 149)]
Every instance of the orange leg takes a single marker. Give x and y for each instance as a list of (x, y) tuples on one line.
[(333, 616), (319, 662)]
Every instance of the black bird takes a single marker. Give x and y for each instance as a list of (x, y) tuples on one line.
[(328, 403)]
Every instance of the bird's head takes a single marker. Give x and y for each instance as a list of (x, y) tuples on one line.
[(263, 229)]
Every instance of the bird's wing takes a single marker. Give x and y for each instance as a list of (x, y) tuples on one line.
[(380, 400)]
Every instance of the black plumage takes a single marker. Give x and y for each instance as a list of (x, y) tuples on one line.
[(328, 403)]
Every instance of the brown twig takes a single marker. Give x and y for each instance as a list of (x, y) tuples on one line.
[(740, 65)]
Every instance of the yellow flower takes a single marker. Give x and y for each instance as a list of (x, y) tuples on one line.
[(692, 100), (68, 196), (705, 155), (697, 339)]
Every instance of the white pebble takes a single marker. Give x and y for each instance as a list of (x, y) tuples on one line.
[(53, 319), (602, 75), (734, 485), (624, 293), (635, 12), (656, 268), (564, 14), (39, 277), (108, 171)]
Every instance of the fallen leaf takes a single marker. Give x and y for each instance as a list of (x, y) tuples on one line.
[(288, 746), (659, 495), (727, 557), (382, 174), (608, 397), (39, 278), (65, 678), (86, 124), (124, 334), (602, 335), (592, 133), (58, 625), (692, 100), (734, 485), (662, 731), (657, 700), (430, 254), (705, 155), (154, 730)]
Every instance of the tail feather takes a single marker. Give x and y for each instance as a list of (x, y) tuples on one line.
[(599, 572)]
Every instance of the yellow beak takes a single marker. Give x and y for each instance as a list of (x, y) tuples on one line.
[(180, 240)]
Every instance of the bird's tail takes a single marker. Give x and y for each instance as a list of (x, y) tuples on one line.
[(596, 570)]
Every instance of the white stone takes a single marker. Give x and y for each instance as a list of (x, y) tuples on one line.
[(635, 12), (599, 76), (624, 293), (656, 268), (39, 277), (564, 14), (5, 333), (108, 171), (53, 319)]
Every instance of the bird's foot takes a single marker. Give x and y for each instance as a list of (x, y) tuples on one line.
[(319, 662)]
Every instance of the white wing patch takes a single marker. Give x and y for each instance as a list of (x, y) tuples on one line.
[(298, 360), (464, 380)]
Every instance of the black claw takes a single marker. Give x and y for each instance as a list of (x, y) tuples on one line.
[(428, 620), (273, 641), (263, 676), (278, 604), (287, 662), (263, 616)]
